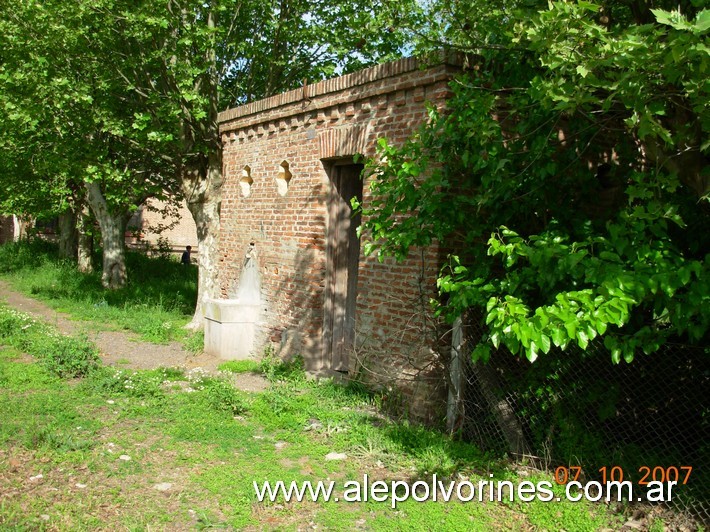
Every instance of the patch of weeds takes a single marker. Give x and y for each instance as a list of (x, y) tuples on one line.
[(197, 377), (194, 342), (50, 419), (373, 450), (21, 376), (218, 393), (580, 515), (158, 327), (222, 396), (205, 521), (113, 381), (15, 256), (275, 369), (64, 356), (350, 393), (12, 322), (241, 366), (657, 525), (173, 374), (50, 438), (67, 356), (432, 452)]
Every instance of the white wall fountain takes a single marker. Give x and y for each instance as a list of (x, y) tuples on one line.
[(230, 324)]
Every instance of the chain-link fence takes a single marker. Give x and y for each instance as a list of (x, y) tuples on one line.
[(647, 420)]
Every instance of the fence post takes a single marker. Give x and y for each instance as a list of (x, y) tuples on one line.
[(456, 376)]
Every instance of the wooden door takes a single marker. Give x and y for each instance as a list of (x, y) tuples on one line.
[(342, 260)]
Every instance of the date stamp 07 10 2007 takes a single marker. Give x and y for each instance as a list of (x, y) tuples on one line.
[(646, 474)]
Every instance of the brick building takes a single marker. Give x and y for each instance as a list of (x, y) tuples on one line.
[(158, 219), (290, 174)]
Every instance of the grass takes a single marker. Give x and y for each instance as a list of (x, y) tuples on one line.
[(104, 445), (240, 366), (69, 419), (157, 302)]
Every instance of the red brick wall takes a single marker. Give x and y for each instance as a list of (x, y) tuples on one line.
[(395, 336), (159, 219)]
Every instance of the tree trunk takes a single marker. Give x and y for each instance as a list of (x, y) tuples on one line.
[(68, 235), (204, 207), (85, 246), (23, 225), (201, 184), (113, 227)]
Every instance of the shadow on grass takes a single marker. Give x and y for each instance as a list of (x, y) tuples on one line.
[(151, 280), (160, 292)]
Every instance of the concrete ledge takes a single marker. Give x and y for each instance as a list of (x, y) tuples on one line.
[(231, 311)]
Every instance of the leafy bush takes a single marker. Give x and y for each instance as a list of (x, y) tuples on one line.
[(569, 182)]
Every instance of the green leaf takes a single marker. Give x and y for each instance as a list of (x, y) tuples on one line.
[(616, 355), (495, 339), (582, 71), (571, 328), (702, 22), (558, 336), (492, 302), (531, 352), (629, 355)]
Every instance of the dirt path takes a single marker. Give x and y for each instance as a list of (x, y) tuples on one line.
[(124, 349)]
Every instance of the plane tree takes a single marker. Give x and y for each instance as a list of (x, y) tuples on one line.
[(68, 139)]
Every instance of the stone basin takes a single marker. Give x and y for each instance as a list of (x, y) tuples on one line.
[(230, 328)]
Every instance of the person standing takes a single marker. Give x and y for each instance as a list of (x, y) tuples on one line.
[(186, 256)]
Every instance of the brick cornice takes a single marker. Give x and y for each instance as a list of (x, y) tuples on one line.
[(310, 96)]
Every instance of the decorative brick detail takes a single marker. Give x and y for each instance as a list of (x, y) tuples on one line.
[(345, 141)]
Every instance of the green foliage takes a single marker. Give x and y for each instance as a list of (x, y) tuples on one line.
[(194, 342), (570, 178), (66, 356), (17, 256), (132, 91)]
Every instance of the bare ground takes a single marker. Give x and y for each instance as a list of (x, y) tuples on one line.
[(124, 349)]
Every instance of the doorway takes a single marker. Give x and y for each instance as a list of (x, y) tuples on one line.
[(342, 260)]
